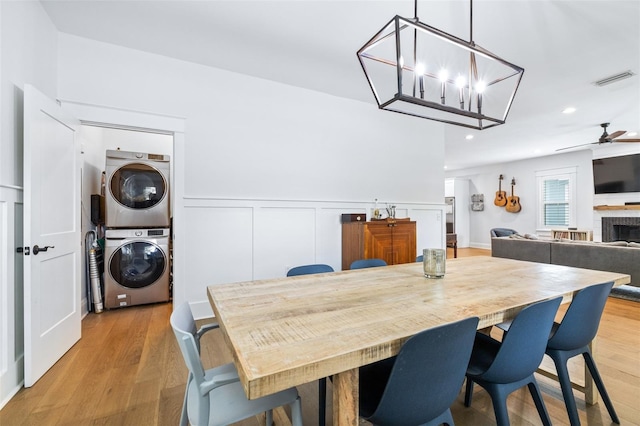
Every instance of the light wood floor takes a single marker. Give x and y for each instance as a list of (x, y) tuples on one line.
[(127, 370)]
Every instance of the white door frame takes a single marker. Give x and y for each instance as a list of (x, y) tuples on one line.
[(105, 116)]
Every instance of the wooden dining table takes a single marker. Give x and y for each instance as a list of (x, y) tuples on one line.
[(289, 331)]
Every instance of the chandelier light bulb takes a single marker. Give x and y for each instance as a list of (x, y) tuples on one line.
[(480, 86), (443, 75), (460, 83), (419, 71)]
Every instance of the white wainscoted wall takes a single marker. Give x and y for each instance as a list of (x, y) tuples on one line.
[(243, 239)]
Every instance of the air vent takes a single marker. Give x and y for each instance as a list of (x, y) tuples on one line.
[(613, 78)]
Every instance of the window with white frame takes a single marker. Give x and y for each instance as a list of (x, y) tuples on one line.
[(556, 198)]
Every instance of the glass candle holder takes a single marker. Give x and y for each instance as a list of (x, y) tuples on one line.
[(433, 262)]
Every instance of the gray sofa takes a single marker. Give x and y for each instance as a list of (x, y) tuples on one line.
[(612, 257)]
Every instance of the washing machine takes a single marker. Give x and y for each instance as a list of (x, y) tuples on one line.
[(137, 267), (137, 190)]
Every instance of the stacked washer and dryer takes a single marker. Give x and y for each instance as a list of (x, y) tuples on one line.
[(137, 229)]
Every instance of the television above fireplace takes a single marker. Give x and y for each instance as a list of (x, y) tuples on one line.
[(617, 174)]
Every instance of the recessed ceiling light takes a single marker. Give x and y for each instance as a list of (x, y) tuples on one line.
[(632, 134), (537, 151), (569, 110), (468, 137), (445, 167)]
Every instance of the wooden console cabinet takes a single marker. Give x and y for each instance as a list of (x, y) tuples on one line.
[(392, 240)]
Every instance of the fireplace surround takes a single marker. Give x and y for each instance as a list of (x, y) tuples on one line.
[(621, 229)]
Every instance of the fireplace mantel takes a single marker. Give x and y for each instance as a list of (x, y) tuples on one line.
[(621, 207)]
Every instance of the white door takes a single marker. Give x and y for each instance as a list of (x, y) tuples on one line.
[(51, 234)]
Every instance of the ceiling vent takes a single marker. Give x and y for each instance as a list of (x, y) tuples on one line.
[(613, 78)]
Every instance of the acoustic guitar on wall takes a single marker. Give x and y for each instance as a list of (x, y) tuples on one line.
[(501, 196), (513, 202)]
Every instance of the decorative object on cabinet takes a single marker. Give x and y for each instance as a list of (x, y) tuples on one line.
[(477, 202), (354, 217), (513, 202), (501, 196), (393, 240), (402, 64)]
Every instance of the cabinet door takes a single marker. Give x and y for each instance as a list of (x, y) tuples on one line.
[(378, 242), (404, 242)]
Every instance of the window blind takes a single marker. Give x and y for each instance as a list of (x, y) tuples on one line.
[(556, 198)]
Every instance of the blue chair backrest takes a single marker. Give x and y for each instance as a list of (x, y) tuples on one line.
[(420, 258), (427, 374), (523, 346), (367, 263), (316, 268), (580, 323)]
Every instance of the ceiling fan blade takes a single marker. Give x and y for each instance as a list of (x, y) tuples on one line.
[(626, 140), (576, 146), (616, 134)]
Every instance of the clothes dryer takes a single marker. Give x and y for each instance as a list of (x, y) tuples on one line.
[(137, 190), (137, 269)]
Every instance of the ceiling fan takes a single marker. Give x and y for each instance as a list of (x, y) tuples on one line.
[(605, 138)]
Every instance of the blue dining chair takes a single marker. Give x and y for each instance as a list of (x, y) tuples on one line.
[(367, 263), (316, 268), (216, 396), (419, 385), (503, 367), (571, 337), (420, 258)]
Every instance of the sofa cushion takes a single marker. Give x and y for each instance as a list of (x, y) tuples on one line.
[(599, 256), (521, 249)]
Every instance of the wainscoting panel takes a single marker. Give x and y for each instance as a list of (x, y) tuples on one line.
[(11, 294), (430, 228), (284, 237), (219, 247)]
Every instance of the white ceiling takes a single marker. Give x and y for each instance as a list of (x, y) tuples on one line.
[(564, 46)]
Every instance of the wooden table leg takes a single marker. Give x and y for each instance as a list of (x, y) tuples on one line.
[(345, 398)]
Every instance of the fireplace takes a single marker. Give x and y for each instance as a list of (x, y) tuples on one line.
[(621, 229)]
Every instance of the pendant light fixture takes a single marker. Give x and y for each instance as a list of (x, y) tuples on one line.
[(415, 69)]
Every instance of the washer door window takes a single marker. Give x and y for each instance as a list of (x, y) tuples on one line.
[(137, 264), (138, 186)]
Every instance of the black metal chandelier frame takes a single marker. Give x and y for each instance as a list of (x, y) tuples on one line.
[(470, 95)]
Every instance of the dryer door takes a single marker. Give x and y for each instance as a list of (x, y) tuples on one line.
[(137, 264), (138, 186)]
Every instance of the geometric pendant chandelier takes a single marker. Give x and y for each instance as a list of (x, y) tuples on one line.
[(415, 69)]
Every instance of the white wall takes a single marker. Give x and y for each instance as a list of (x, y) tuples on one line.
[(266, 168), (28, 48), (484, 180)]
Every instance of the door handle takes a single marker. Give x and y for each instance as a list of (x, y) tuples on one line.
[(37, 249)]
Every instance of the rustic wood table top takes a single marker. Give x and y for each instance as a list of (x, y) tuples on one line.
[(289, 331)]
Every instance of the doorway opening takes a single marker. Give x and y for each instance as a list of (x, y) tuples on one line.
[(96, 140)]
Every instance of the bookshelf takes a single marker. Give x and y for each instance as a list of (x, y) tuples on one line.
[(572, 234)]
